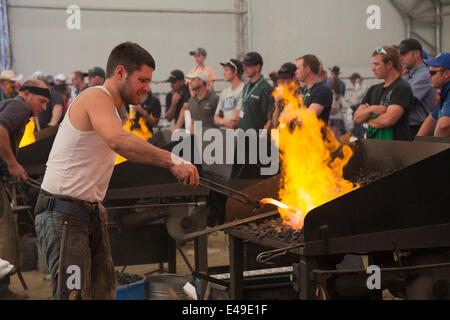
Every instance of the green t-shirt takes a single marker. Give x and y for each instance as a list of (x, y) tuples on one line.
[(257, 103)]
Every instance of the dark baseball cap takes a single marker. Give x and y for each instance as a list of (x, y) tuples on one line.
[(336, 70), (287, 70), (175, 75), (253, 59), (442, 60), (96, 71), (235, 64), (408, 45), (199, 50)]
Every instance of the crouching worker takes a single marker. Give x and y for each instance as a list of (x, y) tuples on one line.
[(70, 222)]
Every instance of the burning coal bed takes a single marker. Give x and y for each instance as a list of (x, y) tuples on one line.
[(274, 228)]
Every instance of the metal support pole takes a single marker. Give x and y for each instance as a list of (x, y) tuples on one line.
[(5, 44)]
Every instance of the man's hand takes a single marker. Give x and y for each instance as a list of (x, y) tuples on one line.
[(17, 172), (186, 173), (231, 123), (139, 109), (5, 268), (176, 97), (103, 214)]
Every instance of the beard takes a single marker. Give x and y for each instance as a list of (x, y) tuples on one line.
[(128, 95)]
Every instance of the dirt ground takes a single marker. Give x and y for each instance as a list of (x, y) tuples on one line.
[(40, 288)]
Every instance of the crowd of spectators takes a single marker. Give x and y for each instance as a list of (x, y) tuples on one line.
[(394, 109)]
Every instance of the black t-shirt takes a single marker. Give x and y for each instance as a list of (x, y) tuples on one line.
[(320, 94), (185, 96), (399, 93), (14, 115), (46, 115), (153, 107)]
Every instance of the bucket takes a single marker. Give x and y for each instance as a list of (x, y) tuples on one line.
[(28, 253), (132, 291), (158, 286)]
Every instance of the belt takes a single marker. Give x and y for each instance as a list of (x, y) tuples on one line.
[(79, 208)]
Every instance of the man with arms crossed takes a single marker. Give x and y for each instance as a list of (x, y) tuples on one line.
[(74, 238)]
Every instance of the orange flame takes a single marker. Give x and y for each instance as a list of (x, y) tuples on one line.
[(310, 176), (141, 132), (28, 135)]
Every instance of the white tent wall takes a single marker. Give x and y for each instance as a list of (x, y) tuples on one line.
[(334, 30), (446, 31)]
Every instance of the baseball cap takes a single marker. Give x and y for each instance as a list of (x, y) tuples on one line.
[(408, 45), (287, 70), (60, 77), (253, 59), (442, 60), (199, 50), (199, 74), (336, 70), (235, 64), (96, 71), (175, 75)]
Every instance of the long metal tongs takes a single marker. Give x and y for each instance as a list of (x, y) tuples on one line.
[(272, 254), (229, 192)]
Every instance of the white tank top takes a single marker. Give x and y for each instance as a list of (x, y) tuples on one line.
[(80, 163)]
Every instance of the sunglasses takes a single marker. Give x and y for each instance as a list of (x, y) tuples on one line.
[(381, 50), (433, 72)]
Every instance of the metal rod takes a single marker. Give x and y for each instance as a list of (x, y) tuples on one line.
[(157, 205), (124, 9), (394, 269), (196, 234)]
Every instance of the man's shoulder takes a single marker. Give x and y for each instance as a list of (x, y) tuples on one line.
[(16, 104), (322, 88), (265, 85)]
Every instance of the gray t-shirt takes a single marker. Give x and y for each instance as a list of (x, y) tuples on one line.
[(14, 116), (204, 109), (230, 102)]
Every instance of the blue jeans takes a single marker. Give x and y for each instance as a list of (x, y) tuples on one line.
[(78, 255)]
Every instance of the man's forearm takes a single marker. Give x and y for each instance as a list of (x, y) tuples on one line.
[(427, 128), (138, 150), (5, 148), (443, 127), (56, 115), (218, 120), (170, 114), (361, 115)]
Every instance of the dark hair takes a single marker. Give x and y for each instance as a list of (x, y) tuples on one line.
[(79, 74), (131, 55), (311, 61), (335, 86), (392, 55)]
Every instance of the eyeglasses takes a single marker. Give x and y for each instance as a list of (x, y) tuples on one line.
[(433, 72), (381, 50)]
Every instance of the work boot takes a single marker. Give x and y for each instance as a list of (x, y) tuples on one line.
[(9, 295)]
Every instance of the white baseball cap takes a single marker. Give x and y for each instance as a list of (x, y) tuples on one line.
[(60, 77), (202, 75)]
